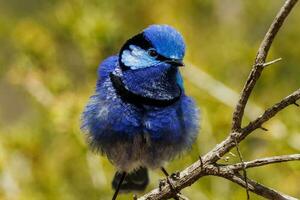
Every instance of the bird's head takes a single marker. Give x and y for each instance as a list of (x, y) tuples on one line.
[(157, 45)]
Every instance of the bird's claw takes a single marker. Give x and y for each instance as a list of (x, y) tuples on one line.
[(161, 184)]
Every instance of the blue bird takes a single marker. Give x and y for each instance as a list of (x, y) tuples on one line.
[(139, 115)]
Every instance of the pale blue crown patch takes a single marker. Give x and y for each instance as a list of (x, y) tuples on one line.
[(137, 58)]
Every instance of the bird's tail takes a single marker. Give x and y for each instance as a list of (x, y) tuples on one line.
[(134, 181)]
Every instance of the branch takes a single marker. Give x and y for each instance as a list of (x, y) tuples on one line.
[(226, 145), (253, 186), (228, 173), (207, 163), (258, 188), (259, 62), (185, 178), (265, 161), (271, 112)]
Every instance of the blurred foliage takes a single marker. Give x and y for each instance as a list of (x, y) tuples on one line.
[(49, 55)]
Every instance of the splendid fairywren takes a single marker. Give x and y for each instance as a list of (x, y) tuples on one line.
[(139, 115)]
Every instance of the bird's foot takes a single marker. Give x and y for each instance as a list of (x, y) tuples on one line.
[(162, 183), (174, 176)]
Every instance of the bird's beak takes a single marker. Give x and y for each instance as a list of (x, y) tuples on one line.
[(176, 63)]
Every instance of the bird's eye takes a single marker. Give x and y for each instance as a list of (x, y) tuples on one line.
[(152, 53)]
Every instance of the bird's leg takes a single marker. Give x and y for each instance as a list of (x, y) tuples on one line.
[(170, 183), (119, 185)]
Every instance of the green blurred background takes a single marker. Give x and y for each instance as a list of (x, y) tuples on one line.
[(49, 55)]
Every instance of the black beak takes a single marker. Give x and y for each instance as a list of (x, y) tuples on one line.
[(176, 63)]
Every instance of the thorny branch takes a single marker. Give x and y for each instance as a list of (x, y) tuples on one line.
[(259, 62), (207, 165)]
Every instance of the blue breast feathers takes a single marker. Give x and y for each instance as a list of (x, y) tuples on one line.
[(106, 67), (174, 123)]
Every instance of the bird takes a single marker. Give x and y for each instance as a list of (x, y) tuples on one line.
[(139, 116)]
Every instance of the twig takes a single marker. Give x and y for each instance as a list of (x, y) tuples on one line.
[(271, 112), (243, 168), (253, 186), (259, 62), (258, 188), (265, 161), (232, 154)]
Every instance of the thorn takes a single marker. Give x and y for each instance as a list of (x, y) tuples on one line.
[(182, 197), (218, 168), (201, 162), (232, 154), (175, 175), (272, 62), (296, 104), (164, 171), (264, 129), (226, 159)]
